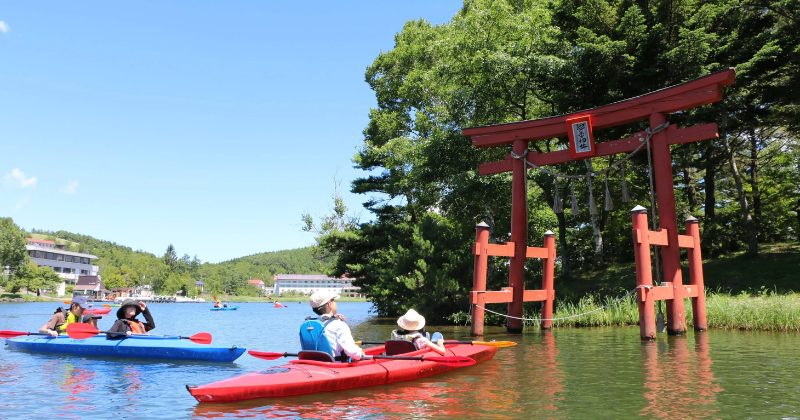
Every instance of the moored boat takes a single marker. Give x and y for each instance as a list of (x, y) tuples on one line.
[(98, 311), (308, 376), (140, 347)]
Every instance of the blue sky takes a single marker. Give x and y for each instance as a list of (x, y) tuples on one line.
[(208, 125)]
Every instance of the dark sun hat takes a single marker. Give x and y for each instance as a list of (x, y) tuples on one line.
[(128, 302)]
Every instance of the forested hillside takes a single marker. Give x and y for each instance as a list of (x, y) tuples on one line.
[(121, 266)]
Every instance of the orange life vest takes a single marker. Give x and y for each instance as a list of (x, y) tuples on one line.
[(137, 327)]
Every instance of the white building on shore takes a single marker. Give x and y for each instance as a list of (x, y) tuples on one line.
[(69, 265), (310, 283)]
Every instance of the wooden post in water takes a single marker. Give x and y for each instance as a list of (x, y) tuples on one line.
[(644, 273), (696, 276), (547, 278), (479, 277)]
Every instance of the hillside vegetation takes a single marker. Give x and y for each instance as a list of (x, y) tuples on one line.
[(121, 266)]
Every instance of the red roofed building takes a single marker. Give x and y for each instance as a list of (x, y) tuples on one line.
[(46, 244), (257, 283)]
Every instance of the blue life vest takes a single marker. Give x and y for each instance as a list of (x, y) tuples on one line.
[(312, 336)]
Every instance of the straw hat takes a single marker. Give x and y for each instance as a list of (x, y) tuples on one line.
[(411, 321)]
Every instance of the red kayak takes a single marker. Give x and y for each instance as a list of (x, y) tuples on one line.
[(97, 311), (309, 376)]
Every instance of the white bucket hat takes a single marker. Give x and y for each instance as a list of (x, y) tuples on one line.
[(411, 321), (322, 297)]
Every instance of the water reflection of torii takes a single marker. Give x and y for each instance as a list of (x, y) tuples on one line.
[(655, 106), (679, 386)]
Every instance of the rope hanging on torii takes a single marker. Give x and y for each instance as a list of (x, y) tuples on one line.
[(620, 164)]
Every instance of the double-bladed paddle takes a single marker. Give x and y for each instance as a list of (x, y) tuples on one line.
[(12, 334), (458, 361), (83, 331), (479, 343)]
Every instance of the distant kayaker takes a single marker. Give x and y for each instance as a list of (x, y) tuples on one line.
[(337, 333), (91, 319), (59, 321), (127, 322), (412, 328)]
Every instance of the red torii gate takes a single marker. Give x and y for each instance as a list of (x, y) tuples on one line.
[(655, 106)]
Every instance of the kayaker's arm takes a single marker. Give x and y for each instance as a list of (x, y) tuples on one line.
[(52, 324), (149, 324), (438, 346), (345, 339)]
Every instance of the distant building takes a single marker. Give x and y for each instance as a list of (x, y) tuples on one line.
[(200, 285), (91, 285), (310, 283), (69, 265), (256, 282)]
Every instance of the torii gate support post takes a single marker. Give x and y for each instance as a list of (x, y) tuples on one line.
[(479, 276), (548, 268), (668, 220), (644, 274), (696, 276), (519, 235)]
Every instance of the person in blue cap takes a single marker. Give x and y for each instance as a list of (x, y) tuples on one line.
[(59, 321)]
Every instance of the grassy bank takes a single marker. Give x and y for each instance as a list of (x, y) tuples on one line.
[(768, 312)]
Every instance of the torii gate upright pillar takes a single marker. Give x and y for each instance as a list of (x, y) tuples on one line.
[(668, 220), (519, 235)]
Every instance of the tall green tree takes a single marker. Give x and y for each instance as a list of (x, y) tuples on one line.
[(13, 253)]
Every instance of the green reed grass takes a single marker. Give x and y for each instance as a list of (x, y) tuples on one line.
[(767, 312)]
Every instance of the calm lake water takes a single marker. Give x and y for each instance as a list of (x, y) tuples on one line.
[(569, 373)]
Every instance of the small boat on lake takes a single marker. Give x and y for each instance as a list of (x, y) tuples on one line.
[(225, 308), (145, 347), (310, 376), (98, 311)]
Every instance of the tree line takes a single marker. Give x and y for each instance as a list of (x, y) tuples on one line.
[(500, 61), (121, 266)]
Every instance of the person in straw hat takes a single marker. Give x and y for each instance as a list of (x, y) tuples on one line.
[(412, 328)]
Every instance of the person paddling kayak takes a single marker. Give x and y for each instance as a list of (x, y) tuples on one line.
[(127, 321), (337, 339), (412, 328), (59, 321)]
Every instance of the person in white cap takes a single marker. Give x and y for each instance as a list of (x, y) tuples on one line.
[(412, 328), (341, 341)]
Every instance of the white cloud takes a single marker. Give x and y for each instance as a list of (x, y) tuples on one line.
[(22, 203), (16, 177), (4, 27), (69, 188)]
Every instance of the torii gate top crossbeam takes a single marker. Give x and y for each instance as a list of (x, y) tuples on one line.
[(701, 91)]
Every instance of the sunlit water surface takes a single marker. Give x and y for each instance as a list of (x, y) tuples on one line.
[(569, 373)]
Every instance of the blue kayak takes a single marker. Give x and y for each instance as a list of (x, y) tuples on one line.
[(141, 347), (229, 308)]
